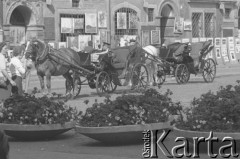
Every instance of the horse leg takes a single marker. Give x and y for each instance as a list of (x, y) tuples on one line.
[(48, 78), (70, 84), (41, 79), (153, 69)]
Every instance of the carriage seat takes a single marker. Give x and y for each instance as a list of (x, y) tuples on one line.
[(119, 58)]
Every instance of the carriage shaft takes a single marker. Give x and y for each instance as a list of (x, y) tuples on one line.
[(73, 65)]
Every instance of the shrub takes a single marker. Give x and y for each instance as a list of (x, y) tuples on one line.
[(214, 112), (146, 107)]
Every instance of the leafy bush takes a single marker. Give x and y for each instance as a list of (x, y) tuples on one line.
[(214, 112), (146, 107), (31, 110)]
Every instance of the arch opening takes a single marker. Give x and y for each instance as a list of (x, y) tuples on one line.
[(21, 16), (167, 14)]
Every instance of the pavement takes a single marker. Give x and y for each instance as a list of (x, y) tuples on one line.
[(76, 146)]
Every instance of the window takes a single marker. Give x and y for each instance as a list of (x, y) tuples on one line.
[(209, 25), (127, 18), (203, 25), (197, 25), (150, 14), (227, 13), (63, 36), (75, 3)]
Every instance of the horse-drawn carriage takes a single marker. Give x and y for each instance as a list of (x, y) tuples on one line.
[(195, 62), (124, 63)]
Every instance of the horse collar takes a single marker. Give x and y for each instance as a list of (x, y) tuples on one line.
[(43, 56)]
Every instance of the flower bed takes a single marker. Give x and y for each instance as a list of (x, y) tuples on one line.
[(124, 119), (146, 107), (35, 116), (217, 112)]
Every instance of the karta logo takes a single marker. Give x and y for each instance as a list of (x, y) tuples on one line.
[(154, 144)]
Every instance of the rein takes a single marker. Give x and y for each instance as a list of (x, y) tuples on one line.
[(44, 55)]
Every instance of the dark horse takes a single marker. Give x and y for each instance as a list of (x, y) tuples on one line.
[(51, 62)]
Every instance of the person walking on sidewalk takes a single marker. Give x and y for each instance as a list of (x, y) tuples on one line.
[(17, 69), (4, 76)]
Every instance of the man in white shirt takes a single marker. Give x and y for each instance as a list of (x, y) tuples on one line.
[(95, 56), (18, 71), (4, 77)]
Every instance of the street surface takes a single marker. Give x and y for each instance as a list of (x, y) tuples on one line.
[(76, 146)]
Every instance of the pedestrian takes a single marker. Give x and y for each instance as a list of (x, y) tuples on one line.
[(17, 69), (99, 55), (4, 146), (4, 76)]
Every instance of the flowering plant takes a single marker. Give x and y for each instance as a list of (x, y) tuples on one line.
[(35, 111), (146, 107), (214, 112)]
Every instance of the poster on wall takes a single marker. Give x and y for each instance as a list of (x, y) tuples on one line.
[(224, 42), (133, 21), (103, 35), (230, 40), (78, 23), (218, 52), (232, 55), (231, 46), (17, 35), (217, 42), (195, 40), (237, 45), (185, 40), (67, 25), (155, 37), (203, 39), (52, 44), (96, 42), (187, 25), (102, 19), (72, 42), (90, 23), (83, 41), (121, 20), (62, 45), (145, 38), (178, 25), (225, 54)]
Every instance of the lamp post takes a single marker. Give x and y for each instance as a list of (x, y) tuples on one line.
[(109, 21)]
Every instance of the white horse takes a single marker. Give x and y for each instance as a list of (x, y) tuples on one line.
[(151, 64)]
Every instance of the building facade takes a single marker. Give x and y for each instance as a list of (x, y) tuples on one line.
[(74, 22)]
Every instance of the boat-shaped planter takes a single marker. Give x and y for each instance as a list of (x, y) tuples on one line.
[(36, 132), (120, 134), (191, 134), (224, 138)]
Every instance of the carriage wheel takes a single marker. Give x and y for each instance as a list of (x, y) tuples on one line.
[(77, 86), (160, 76), (182, 74), (209, 70), (103, 84), (140, 78)]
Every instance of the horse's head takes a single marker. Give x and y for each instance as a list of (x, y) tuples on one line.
[(34, 50)]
